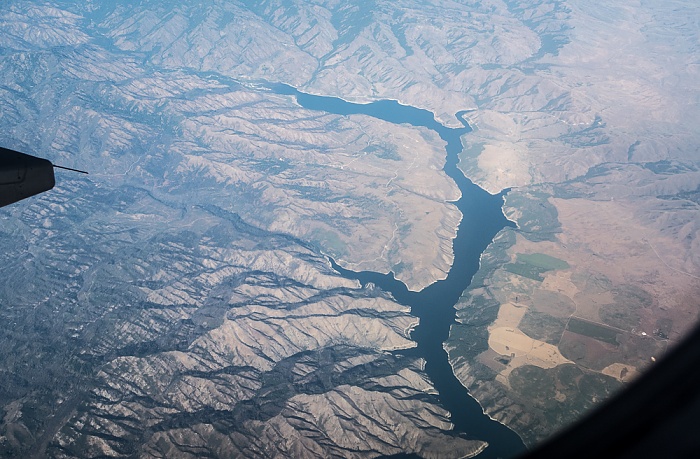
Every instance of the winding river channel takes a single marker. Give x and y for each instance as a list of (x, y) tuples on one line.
[(434, 305)]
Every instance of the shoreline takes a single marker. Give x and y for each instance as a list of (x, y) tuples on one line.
[(476, 399), (434, 305)]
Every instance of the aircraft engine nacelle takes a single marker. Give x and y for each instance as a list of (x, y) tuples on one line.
[(22, 176)]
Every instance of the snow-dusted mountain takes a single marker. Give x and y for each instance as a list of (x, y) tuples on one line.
[(177, 301)]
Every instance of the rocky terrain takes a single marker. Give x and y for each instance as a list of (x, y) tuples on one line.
[(205, 336), (176, 301)]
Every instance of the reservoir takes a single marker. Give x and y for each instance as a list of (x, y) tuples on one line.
[(434, 305)]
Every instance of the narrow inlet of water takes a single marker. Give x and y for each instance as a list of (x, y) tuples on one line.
[(434, 305)]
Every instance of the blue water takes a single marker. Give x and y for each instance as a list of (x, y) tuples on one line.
[(434, 305)]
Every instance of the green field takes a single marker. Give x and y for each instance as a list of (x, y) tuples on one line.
[(533, 265), (593, 330), (543, 261), (525, 270)]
